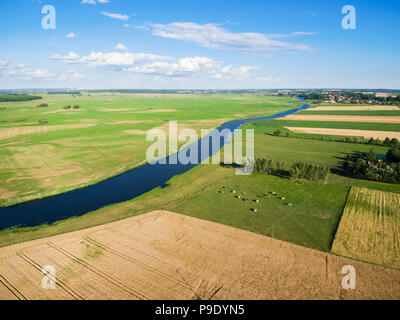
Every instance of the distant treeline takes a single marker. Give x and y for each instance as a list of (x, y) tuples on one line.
[(183, 91), (17, 97), (299, 170), (77, 93)]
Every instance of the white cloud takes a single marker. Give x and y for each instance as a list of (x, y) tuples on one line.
[(121, 46), (22, 65), (70, 35), (126, 25), (118, 16), (158, 66), (290, 35), (200, 67), (268, 79), (29, 74), (71, 76), (43, 74), (182, 67), (70, 58), (3, 63), (116, 59), (228, 72), (94, 1), (214, 36)]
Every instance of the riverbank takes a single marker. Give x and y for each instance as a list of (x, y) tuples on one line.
[(106, 138)]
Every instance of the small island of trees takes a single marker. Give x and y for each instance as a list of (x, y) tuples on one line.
[(376, 167)]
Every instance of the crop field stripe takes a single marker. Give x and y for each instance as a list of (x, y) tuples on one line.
[(205, 265), (58, 282), (138, 262), (102, 274), (11, 288), (370, 227)]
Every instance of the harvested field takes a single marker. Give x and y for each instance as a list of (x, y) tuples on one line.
[(14, 132), (4, 193), (163, 255), (367, 134), (370, 227), (341, 118), (358, 108)]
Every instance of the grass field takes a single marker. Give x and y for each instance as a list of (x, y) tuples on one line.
[(328, 153), (370, 228), (107, 147), (270, 126), (102, 139)]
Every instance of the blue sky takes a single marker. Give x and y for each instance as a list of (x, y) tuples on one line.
[(199, 44)]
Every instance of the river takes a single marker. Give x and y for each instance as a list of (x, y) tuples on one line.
[(123, 187)]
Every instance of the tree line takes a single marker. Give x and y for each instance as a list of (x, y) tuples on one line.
[(17, 97), (299, 170)]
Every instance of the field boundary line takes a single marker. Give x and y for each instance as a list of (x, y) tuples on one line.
[(63, 285), (102, 274), (225, 274), (12, 288), (138, 262)]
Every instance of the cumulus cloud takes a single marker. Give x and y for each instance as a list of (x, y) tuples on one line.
[(116, 59), (268, 79), (71, 76), (70, 58), (158, 66), (118, 16), (94, 1), (229, 72), (193, 67), (181, 67), (70, 35), (3, 63), (121, 46), (214, 36), (23, 73), (29, 74)]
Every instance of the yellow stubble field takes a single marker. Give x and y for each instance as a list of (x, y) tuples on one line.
[(164, 255)]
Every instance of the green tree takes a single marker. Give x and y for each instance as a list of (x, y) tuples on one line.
[(393, 155)]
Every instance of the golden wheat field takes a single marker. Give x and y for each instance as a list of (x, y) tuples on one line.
[(164, 255), (370, 228), (366, 134)]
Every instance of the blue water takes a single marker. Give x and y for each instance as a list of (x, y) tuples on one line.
[(124, 187)]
